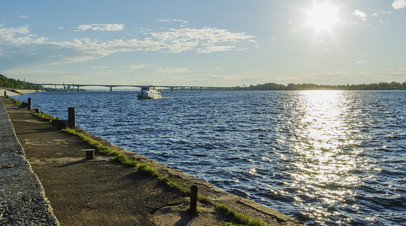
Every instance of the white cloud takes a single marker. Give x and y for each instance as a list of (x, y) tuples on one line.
[(139, 66), (398, 4), (212, 49), (24, 17), (173, 70), (99, 67), (20, 36), (361, 15), (100, 27), (183, 23), (172, 20), (204, 40), (163, 20)]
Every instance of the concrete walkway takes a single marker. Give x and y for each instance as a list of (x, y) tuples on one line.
[(9, 93), (22, 199)]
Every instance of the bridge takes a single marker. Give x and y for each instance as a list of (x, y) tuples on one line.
[(77, 86)]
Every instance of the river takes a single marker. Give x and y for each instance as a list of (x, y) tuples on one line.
[(322, 157)]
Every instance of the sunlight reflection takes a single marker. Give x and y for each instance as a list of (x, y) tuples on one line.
[(323, 166)]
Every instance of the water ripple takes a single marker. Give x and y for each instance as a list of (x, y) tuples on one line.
[(324, 157)]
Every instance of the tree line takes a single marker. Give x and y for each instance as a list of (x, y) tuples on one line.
[(17, 84), (308, 86)]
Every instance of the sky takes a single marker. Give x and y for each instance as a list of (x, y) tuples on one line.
[(204, 43)]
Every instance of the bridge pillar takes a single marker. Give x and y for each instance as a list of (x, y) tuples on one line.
[(78, 89), (171, 88), (111, 88)]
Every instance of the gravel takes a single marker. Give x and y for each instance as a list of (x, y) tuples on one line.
[(22, 197)]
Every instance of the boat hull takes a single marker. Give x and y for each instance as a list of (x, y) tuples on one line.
[(149, 93)]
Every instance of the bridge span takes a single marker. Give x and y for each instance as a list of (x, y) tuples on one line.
[(77, 86)]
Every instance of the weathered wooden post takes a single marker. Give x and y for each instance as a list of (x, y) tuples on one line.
[(71, 117), (193, 200), (29, 103)]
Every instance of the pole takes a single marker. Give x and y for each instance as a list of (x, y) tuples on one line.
[(29, 103), (193, 200), (71, 117)]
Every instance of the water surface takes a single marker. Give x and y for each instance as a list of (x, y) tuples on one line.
[(323, 157)]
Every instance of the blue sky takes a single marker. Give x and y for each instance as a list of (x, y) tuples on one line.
[(214, 43)]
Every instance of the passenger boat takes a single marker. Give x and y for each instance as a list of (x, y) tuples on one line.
[(149, 92)]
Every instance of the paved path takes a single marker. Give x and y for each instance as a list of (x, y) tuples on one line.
[(9, 93), (22, 199)]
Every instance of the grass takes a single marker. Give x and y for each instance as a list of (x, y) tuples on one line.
[(149, 170), (43, 116), (17, 102), (189, 211), (118, 156), (239, 217)]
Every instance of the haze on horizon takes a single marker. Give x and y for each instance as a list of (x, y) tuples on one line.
[(208, 43)]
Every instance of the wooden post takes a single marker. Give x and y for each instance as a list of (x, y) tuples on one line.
[(193, 200), (71, 117), (89, 153), (29, 103), (5, 93)]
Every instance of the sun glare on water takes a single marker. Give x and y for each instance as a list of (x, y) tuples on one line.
[(322, 17)]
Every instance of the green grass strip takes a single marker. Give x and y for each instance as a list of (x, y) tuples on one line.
[(239, 217), (43, 116), (17, 102)]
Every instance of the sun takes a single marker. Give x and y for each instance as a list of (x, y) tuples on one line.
[(322, 17)]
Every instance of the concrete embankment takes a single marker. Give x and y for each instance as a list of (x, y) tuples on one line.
[(22, 198), (14, 92), (102, 192)]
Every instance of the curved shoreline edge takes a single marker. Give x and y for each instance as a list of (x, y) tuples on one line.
[(22, 196), (242, 205)]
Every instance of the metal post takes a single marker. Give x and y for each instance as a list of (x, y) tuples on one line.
[(29, 103), (71, 117), (193, 200)]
